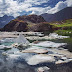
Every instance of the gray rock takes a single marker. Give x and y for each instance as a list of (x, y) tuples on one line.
[(43, 69)]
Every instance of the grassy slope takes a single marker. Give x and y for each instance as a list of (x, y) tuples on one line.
[(66, 23), (65, 27)]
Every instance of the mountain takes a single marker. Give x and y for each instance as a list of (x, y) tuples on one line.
[(15, 25), (31, 18), (5, 20), (27, 23), (64, 14)]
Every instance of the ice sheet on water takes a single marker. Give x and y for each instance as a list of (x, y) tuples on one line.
[(21, 39), (50, 44), (5, 47), (55, 35), (15, 54), (13, 51), (40, 58), (7, 40)]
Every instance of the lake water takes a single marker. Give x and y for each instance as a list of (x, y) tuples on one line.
[(19, 64)]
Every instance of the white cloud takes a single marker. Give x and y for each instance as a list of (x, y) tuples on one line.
[(36, 2), (69, 2), (14, 7), (39, 10), (59, 6)]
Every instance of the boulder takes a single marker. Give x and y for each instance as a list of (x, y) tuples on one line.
[(43, 69)]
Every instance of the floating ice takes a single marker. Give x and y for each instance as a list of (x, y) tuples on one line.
[(38, 51), (50, 44), (5, 47), (55, 35), (13, 56), (13, 51), (7, 40), (21, 39), (41, 58)]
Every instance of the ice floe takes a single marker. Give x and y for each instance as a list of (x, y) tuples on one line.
[(55, 35), (50, 44), (13, 56), (38, 51), (21, 39), (41, 58), (5, 47), (7, 40), (20, 46)]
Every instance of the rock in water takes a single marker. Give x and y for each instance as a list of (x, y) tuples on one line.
[(21, 39), (43, 69)]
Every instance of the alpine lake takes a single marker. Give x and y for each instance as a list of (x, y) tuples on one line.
[(42, 54)]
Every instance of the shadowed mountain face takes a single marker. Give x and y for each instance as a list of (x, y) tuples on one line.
[(31, 18), (5, 20), (15, 26), (27, 23), (64, 14)]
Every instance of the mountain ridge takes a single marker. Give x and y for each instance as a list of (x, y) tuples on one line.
[(63, 14), (5, 20), (27, 23)]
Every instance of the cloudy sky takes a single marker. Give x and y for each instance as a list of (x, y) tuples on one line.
[(21, 7)]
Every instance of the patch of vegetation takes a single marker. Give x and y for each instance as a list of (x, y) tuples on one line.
[(63, 25), (64, 32), (69, 42)]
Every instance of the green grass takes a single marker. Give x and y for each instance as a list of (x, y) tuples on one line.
[(64, 32), (66, 23), (62, 25)]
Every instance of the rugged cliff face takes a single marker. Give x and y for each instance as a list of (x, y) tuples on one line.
[(44, 26), (15, 25), (32, 18)]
